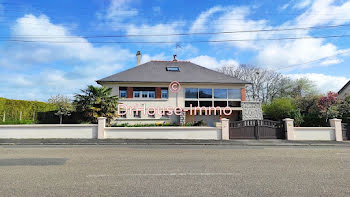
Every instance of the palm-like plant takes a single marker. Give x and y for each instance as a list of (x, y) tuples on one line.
[(97, 102)]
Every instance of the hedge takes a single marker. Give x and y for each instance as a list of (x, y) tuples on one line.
[(29, 109), (50, 118)]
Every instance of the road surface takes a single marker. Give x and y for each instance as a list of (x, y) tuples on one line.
[(159, 170)]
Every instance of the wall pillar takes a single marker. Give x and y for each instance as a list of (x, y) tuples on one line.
[(289, 126), (225, 129), (101, 127), (336, 123), (183, 118)]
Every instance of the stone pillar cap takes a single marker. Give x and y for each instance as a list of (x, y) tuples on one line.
[(288, 119)]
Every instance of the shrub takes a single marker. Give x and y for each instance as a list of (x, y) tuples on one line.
[(50, 118), (279, 109), (298, 118), (314, 120)]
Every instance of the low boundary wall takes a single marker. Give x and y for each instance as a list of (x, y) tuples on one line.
[(314, 133), (80, 131), (100, 131), (162, 133), (332, 133)]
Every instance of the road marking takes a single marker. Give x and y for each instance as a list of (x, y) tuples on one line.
[(167, 174)]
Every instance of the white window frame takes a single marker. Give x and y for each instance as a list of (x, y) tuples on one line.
[(134, 92), (143, 92), (227, 99), (120, 93), (122, 116), (167, 93), (137, 115), (152, 116)]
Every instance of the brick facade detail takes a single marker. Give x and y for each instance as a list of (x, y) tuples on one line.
[(243, 94), (129, 92), (158, 93)]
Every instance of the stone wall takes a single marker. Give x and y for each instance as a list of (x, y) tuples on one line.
[(251, 110)]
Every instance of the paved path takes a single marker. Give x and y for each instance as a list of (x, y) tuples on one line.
[(157, 170)]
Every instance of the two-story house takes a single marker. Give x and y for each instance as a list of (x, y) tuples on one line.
[(148, 85)]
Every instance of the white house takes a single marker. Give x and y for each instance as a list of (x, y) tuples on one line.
[(147, 86)]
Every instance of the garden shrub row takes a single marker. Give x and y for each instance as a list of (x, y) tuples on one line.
[(29, 109), (50, 118)]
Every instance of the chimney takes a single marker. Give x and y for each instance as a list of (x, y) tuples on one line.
[(138, 55), (175, 58)]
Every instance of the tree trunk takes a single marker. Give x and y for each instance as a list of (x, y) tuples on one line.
[(61, 117)]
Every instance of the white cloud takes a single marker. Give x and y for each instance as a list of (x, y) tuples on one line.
[(156, 10), (283, 52), (119, 10), (231, 19), (324, 12), (284, 6), (212, 62), (331, 61), (146, 58), (279, 54), (200, 23), (79, 64), (158, 29), (302, 4), (324, 83)]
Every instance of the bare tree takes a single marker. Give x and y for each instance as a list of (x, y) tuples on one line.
[(267, 84), (64, 105)]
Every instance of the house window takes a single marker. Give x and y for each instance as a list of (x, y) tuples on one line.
[(234, 103), (151, 114), (220, 103), (205, 103), (164, 93), (220, 93), (151, 94), (137, 114), (174, 69), (137, 94), (144, 94), (165, 114), (234, 93), (122, 93), (191, 93), (122, 114), (189, 103), (205, 93)]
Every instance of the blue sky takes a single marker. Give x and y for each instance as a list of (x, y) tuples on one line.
[(61, 53)]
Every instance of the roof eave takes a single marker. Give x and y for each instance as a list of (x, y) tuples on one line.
[(101, 81), (343, 88)]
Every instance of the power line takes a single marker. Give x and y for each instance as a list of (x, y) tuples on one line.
[(172, 42), (178, 34)]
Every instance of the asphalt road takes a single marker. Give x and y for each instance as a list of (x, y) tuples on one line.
[(156, 170)]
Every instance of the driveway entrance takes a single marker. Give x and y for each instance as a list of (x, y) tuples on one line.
[(257, 129)]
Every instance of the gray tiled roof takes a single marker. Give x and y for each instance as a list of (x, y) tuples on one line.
[(343, 88), (155, 71)]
